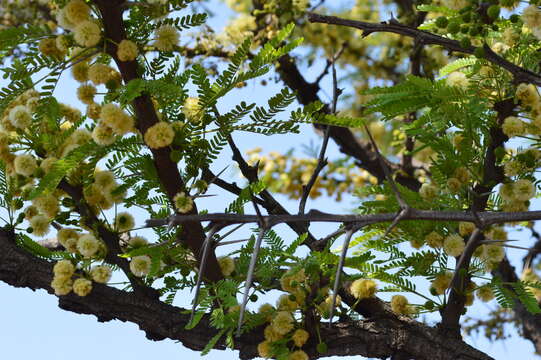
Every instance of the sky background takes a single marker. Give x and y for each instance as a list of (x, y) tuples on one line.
[(33, 327)]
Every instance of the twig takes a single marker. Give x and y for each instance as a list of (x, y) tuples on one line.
[(321, 161), (206, 248), (487, 217), (425, 38)]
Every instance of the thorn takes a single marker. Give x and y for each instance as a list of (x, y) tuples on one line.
[(401, 215), (171, 223), (206, 247), (250, 277), (345, 246)]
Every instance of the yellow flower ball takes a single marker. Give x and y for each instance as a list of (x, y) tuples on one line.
[(363, 288), (76, 11), (40, 225), (400, 304), (454, 245), (101, 273), (300, 337), (62, 285), (88, 245), (25, 164), (167, 38), (159, 135), (64, 268), (82, 287), (127, 50), (87, 33), (183, 203), (227, 265), (282, 322), (124, 221), (140, 265)]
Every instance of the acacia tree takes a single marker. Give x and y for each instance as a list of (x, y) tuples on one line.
[(433, 94)]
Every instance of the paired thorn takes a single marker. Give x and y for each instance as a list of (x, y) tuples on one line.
[(250, 276), (206, 248), (345, 247)]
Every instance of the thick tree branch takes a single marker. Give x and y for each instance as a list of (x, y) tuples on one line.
[(167, 170), (381, 339)]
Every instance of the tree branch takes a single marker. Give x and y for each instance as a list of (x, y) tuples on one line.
[(520, 74), (167, 170), (159, 321)]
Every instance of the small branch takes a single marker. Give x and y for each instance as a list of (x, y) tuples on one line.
[(486, 217), (520, 74), (321, 161)]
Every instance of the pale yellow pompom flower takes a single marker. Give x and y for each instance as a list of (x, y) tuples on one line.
[(300, 337), (82, 287), (104, 179), (101, 273), (363, 288), (62, 285), (103, 135), (66, 233), (88, 245), (227, 265), (159, 135), (465, 228), (282, 322), (167, 38), (271, 334), (86, 93), (76, 11), (513, 126), (264, 349), (458, 79), (485, 293), (441, 282), (138, 241), (454, 245), (124, 221), (99, 73), (140, 265), (192, 110), (87, 33), (79, 71), (20, 117), (428, 191), (183, 203), (25, 164), (64, 268), (40, 225), (454, 185), (400, 305), (284, 302), (493, 253), (434, 240), (527, 93), (127, 50), (523, 189)]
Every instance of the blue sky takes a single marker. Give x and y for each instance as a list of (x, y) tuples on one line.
[(32, 326)]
